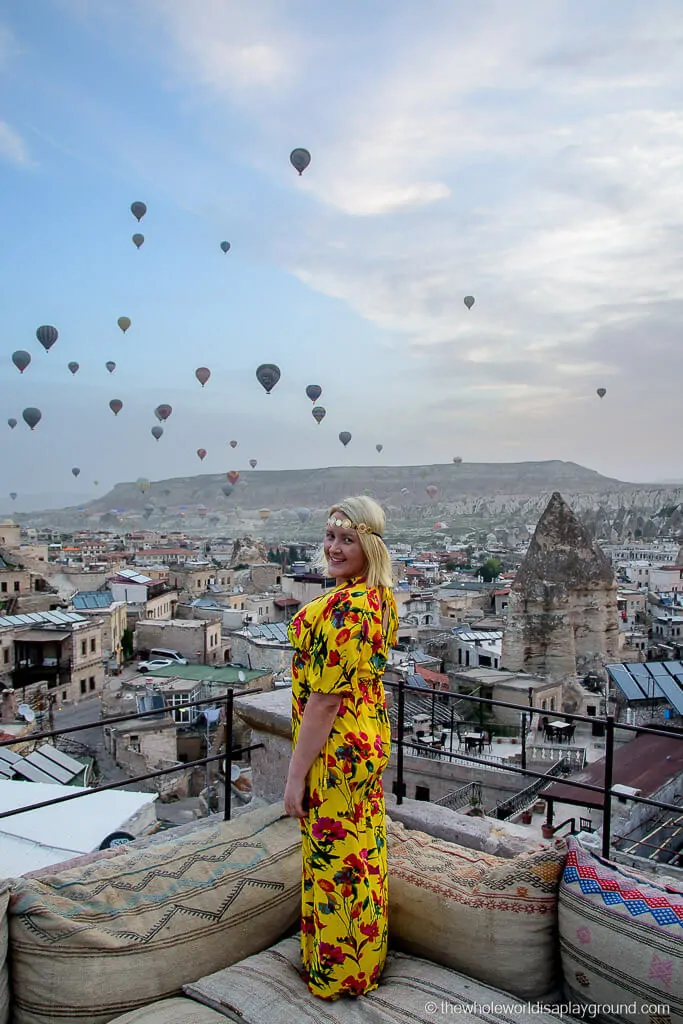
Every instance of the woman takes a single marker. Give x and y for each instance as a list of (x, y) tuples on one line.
[(341, 738)]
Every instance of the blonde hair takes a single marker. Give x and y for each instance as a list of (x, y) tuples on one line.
[(363, 509)]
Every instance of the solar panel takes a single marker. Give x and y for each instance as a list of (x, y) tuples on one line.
[(55, 771), (673, 692), (5, 771), (625, 682), (8, 755), (645, 680), (32, 773), (59, 757)]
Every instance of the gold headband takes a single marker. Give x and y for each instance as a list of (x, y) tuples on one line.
[(346, 524)]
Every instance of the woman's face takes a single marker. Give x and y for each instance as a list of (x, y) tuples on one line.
[(345, 557)]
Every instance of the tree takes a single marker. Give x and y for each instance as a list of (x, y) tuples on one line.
[(490, 569), (127, 644)]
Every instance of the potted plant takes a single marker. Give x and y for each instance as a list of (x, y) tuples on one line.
[(475, 806), (525, 817), (547, 831)]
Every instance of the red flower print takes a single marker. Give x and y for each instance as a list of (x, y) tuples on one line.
[(356, 986), (342, 637), (353, 617), (379, 749), (325, 885), (330, 954), (377, 641), (333, 659), (307, 926), (328, 830), (331, 761), (315, 799), (357, 911), (373, 599), (365, 629), (356, 863), (357, 813), (371, 930)]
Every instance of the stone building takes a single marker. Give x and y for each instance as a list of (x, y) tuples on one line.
[(562, 615), (198, 640)]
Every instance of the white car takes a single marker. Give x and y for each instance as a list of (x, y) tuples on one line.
[(155, 663)]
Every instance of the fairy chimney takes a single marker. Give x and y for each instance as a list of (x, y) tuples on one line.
[(562, 611)]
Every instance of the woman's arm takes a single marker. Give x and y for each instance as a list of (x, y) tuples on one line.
[(316, 725)]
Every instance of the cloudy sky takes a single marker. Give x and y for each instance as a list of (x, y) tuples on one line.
[(529, 154)]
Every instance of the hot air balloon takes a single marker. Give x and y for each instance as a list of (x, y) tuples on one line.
[(74, 367), (148, 511), (602, 392), (379, 447), (300, 159), (11, 422), (138, 240), (253, 463), (13, 495), (344, 437), (110, 366), (303, 514), (432, 491), (233, 444), (314, 391), (116, 405), (227, 490), (225, 246), (32, 417), (457, 460), (233, 477), (469, 301), (318, 414), (201, 452), (143, 484), (76, 471), (264, 513), (157, 432), (138, 210), (202, 373), (124, 323), (21, 359), (268, 374), (163, 411), (47, 336)]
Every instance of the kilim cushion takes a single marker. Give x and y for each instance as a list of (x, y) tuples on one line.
[(267, 989), (492, 918), (172, 1011), (621, 941), (4, 989), (94, 942)]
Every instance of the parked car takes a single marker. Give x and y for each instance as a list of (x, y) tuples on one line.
[(154, 663)]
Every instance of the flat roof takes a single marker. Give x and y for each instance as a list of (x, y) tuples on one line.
[(49, 835), (227, 674), (646, 763)]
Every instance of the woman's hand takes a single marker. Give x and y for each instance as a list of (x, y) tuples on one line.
[(295, 790)]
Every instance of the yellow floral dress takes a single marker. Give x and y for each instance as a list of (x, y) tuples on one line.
[(341, 641)]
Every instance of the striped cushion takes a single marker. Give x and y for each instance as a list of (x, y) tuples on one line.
[(4, 990), (490, 917), (267, 989), (172, 1011), (93, 942), (621, 941)]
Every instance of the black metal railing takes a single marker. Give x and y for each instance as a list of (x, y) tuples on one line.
[(514, 804), (227, 756), (526, 711)]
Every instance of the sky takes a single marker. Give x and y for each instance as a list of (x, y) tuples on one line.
[(528, 154)]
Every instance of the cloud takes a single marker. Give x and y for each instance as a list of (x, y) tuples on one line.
[(13, 149)]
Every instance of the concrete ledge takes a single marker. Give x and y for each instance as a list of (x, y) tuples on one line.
[(501, 839), (269, 712)]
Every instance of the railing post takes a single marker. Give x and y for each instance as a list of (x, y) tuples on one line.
[(607, 792), (400, 733), (524, 740), (227, 800)]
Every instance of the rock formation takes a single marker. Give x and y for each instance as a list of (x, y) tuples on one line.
[(562, 611), (246, 551)]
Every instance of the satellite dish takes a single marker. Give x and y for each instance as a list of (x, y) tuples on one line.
[(241, 676), (116, 839), (235, 772), (26, 712)]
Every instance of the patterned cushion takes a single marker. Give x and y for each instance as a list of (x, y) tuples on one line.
[(490, 917), (172, 1011), (138, 926), (621, 940), (267, 989), (4, 989)]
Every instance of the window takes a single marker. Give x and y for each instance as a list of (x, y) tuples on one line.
[(544, 705), (17, 586), (422, 792), (552, 703), (3, 587), (91, 683), (93, 644), (5, 656), (83, 686), (63, 694), (134, 743), (84, 647)]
